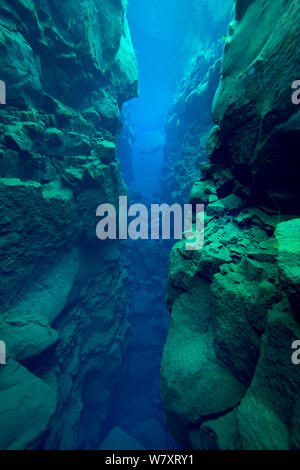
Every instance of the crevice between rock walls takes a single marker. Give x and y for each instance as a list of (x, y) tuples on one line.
[(68, 67), (235, 304)]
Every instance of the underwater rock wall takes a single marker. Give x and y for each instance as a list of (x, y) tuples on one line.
[(228, 381), (188, 125), (189, 117), (68, 67), (125, 147)]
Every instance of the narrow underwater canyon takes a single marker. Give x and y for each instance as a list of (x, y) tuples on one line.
[(141, 344)]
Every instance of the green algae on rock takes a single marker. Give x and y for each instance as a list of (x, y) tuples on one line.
[(228, 381), (68, 66)]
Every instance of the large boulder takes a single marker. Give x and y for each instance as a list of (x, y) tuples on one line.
[(26, 406)]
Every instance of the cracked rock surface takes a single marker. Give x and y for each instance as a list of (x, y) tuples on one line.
[(68, 67), (228, 381)]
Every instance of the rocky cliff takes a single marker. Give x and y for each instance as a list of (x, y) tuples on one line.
[(189, 118), (228, 381), (68, 67), (188, 126), (125, 147)]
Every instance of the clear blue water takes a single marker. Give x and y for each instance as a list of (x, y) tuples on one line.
[(167, 35)]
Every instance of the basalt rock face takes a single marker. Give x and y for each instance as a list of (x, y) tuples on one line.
[(228, 381), (125, 146), (188, 126), (68, 67)]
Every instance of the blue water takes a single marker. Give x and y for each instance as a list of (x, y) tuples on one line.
[(167, 35)]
